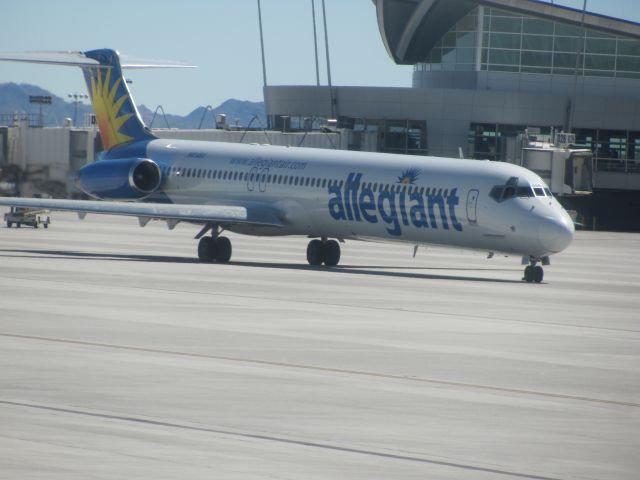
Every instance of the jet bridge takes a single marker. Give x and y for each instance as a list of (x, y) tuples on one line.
[(566, 170)]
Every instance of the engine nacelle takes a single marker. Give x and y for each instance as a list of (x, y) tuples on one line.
[(120, 179)]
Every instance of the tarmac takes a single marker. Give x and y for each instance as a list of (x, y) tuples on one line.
[(121, 356)]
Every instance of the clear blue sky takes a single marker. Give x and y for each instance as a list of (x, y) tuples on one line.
[(220, 36)]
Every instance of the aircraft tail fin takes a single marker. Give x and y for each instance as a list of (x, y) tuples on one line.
[(118, 118)]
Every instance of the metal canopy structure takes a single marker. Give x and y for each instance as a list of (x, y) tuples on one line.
[(411, 28)]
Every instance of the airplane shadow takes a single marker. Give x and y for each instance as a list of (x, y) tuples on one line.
[(368, 270)]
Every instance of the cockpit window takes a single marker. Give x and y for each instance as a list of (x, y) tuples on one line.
[(511, 189), (525, 191)]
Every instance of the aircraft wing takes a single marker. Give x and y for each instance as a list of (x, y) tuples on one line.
[(258, 216)]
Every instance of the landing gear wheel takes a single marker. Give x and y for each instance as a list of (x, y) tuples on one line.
[(528, 274), (223, 250), (331, 253), (533, 273), (538, 274), (206, 249), (315, 252)]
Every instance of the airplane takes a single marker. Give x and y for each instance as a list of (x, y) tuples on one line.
[(328, 196)]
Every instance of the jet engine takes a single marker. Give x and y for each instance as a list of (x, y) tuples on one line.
[(120, 179)]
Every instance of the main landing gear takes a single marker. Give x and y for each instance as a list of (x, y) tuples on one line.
[(534, 272), (323, 251), (214, 248)]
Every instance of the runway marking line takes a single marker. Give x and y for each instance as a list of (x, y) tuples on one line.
[(277, 439), (316, 368)]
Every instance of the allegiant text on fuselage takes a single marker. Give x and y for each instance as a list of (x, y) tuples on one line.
[(359, 203)]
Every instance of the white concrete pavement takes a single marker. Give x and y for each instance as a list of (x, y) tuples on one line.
[(122, 357)]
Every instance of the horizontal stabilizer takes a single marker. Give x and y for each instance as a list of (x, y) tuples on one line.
[(230, 215), (79, 59), (116, 114)]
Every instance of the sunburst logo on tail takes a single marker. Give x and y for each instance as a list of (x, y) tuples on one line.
[(107, 107)]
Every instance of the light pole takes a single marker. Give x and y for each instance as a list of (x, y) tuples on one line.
[(315, 41), (326, 44), (40, 100), (77, 99), (264, 66)]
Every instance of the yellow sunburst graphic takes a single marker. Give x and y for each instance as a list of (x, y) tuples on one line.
[(107, 108)]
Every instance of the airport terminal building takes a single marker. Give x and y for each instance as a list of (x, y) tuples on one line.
[(486, 70)]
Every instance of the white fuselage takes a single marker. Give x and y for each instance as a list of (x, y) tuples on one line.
[(357, 195)]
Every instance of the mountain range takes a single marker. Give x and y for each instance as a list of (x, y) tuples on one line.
[(14, 98)]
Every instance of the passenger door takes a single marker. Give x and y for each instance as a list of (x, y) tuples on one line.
[(472, 205)]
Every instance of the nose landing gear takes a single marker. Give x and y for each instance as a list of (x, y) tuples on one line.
[(534, 272)]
